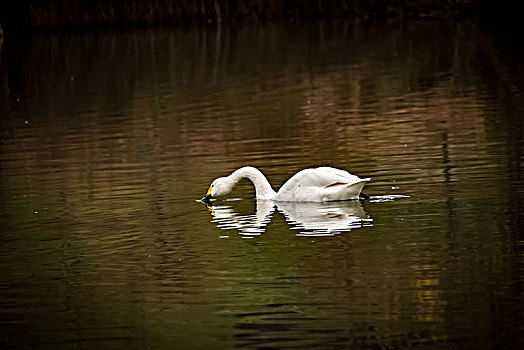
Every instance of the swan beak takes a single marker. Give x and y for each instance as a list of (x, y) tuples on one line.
[(208, 196)]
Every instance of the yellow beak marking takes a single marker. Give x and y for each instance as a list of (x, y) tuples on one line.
[(209, 191)]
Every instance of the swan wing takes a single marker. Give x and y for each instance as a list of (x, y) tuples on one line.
[(321, 184), (337, 173)]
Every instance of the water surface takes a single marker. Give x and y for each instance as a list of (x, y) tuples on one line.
[(108, 138)]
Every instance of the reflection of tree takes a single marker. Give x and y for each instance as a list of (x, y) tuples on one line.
[(1, 43)]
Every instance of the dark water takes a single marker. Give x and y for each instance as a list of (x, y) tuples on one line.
[(108, 138)]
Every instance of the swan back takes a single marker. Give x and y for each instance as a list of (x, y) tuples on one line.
[(321, 185)]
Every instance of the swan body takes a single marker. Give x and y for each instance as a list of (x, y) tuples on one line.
[(321, 184)]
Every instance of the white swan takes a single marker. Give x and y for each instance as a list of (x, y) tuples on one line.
[(309, 185)]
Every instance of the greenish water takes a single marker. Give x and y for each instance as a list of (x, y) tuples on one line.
[(109, 138)]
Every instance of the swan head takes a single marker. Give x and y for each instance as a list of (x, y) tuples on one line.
[(219, 187)]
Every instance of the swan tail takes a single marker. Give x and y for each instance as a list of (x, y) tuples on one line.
[(345, 191), (354, 190)]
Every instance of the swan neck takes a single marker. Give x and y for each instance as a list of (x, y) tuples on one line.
[(263, 188)]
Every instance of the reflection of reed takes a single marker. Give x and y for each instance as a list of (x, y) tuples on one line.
[(73, 13), (339, 91)]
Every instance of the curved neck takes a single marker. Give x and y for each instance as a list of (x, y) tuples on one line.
[(262, 187)]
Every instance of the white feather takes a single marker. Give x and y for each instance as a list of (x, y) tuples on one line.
[(309, 185)]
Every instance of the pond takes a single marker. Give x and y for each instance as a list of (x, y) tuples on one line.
[(108, 139)]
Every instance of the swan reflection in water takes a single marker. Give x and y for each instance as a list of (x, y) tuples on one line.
[(310, 219)]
